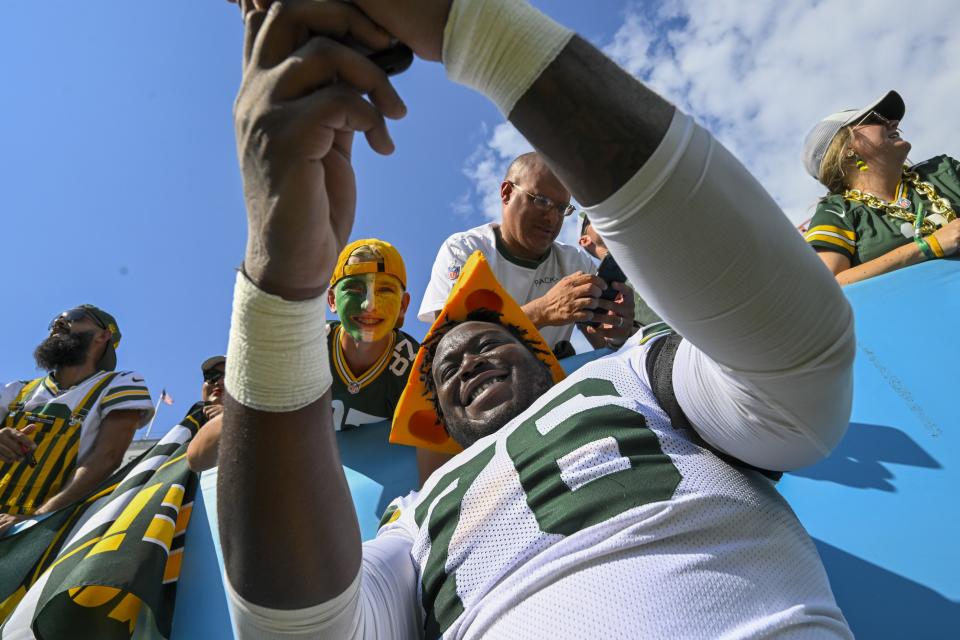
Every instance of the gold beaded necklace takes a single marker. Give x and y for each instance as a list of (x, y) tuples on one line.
[(897, 208)]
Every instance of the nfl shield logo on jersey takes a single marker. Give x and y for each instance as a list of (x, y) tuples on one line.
[(453, 271)]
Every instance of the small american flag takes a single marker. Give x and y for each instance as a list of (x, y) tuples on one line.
[(165, 397)]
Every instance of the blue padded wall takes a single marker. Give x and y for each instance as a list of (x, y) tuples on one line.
[(883, 509)]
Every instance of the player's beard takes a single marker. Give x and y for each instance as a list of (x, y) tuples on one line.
[(529, 382), (63, 350)]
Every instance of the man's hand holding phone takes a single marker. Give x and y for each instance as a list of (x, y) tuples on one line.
[(612, 323), (304, 94), (393, 60)]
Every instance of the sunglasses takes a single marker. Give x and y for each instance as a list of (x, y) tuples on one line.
[(73, 315), (213, 376), (873, 118), (546, 204)]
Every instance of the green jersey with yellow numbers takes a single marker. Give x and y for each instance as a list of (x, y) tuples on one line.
[(370, 396)]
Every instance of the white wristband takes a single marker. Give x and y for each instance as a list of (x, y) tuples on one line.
[(500, 47), (277, 356)]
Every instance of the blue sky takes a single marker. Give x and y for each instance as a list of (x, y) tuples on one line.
[(120, 180)]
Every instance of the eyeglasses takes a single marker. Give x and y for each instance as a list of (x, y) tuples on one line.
[(73, 315), (544, 203), (872, 117), (212, 376)]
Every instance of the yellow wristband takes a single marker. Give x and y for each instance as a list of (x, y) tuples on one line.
[(935, 245)]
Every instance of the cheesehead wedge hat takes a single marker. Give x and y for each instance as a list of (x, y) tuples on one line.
[(374, 256), (415, 421)]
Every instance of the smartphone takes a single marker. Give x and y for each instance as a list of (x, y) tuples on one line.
[(610, 272), (394, 60)]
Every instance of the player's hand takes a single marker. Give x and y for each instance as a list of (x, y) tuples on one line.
[(949, 237), (569, 300), (418, 24), (7, 521), (617, 321), (14, 444), (301, 100)]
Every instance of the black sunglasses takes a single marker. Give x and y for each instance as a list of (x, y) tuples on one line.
[(873, 117), (212, 376), (73, 315)]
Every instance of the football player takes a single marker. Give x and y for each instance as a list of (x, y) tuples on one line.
[(632, 499)]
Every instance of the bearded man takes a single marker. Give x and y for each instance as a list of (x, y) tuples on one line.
[(66, 432)]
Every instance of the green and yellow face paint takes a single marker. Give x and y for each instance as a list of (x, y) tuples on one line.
[(368, 305)]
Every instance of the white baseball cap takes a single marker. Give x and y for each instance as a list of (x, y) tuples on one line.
[(890, 106)]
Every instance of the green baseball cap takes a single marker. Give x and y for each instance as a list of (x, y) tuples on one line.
[(108, 361)]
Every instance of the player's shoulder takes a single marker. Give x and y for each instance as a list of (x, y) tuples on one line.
[(400, 513), (636, 356)]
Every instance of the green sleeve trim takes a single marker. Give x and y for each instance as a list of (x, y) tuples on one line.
[(137, 399)]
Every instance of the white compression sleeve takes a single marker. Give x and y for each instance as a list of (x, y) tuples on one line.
[(380, 604), (766, 375)]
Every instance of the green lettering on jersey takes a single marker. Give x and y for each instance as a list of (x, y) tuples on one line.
[(649, 477), (440, 599)]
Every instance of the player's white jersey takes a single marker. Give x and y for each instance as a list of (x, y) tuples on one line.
[(590, 516)]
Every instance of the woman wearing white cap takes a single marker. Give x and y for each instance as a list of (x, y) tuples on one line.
[(880, 214)]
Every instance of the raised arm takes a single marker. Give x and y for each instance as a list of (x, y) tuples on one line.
[(289, 534), (698, 237)]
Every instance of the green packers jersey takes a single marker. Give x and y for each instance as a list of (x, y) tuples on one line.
[(863, 233), (372, 395)]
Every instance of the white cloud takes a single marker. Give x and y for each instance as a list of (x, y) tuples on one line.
[(487, 165), (759, 74)]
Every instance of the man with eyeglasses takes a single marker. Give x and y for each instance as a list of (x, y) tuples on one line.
[(554, 282), (65, 432)]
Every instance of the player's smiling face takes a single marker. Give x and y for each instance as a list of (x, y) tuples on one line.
[(484, 378), (368, 305)]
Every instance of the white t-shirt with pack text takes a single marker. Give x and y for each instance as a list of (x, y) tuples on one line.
[(524, 280)]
